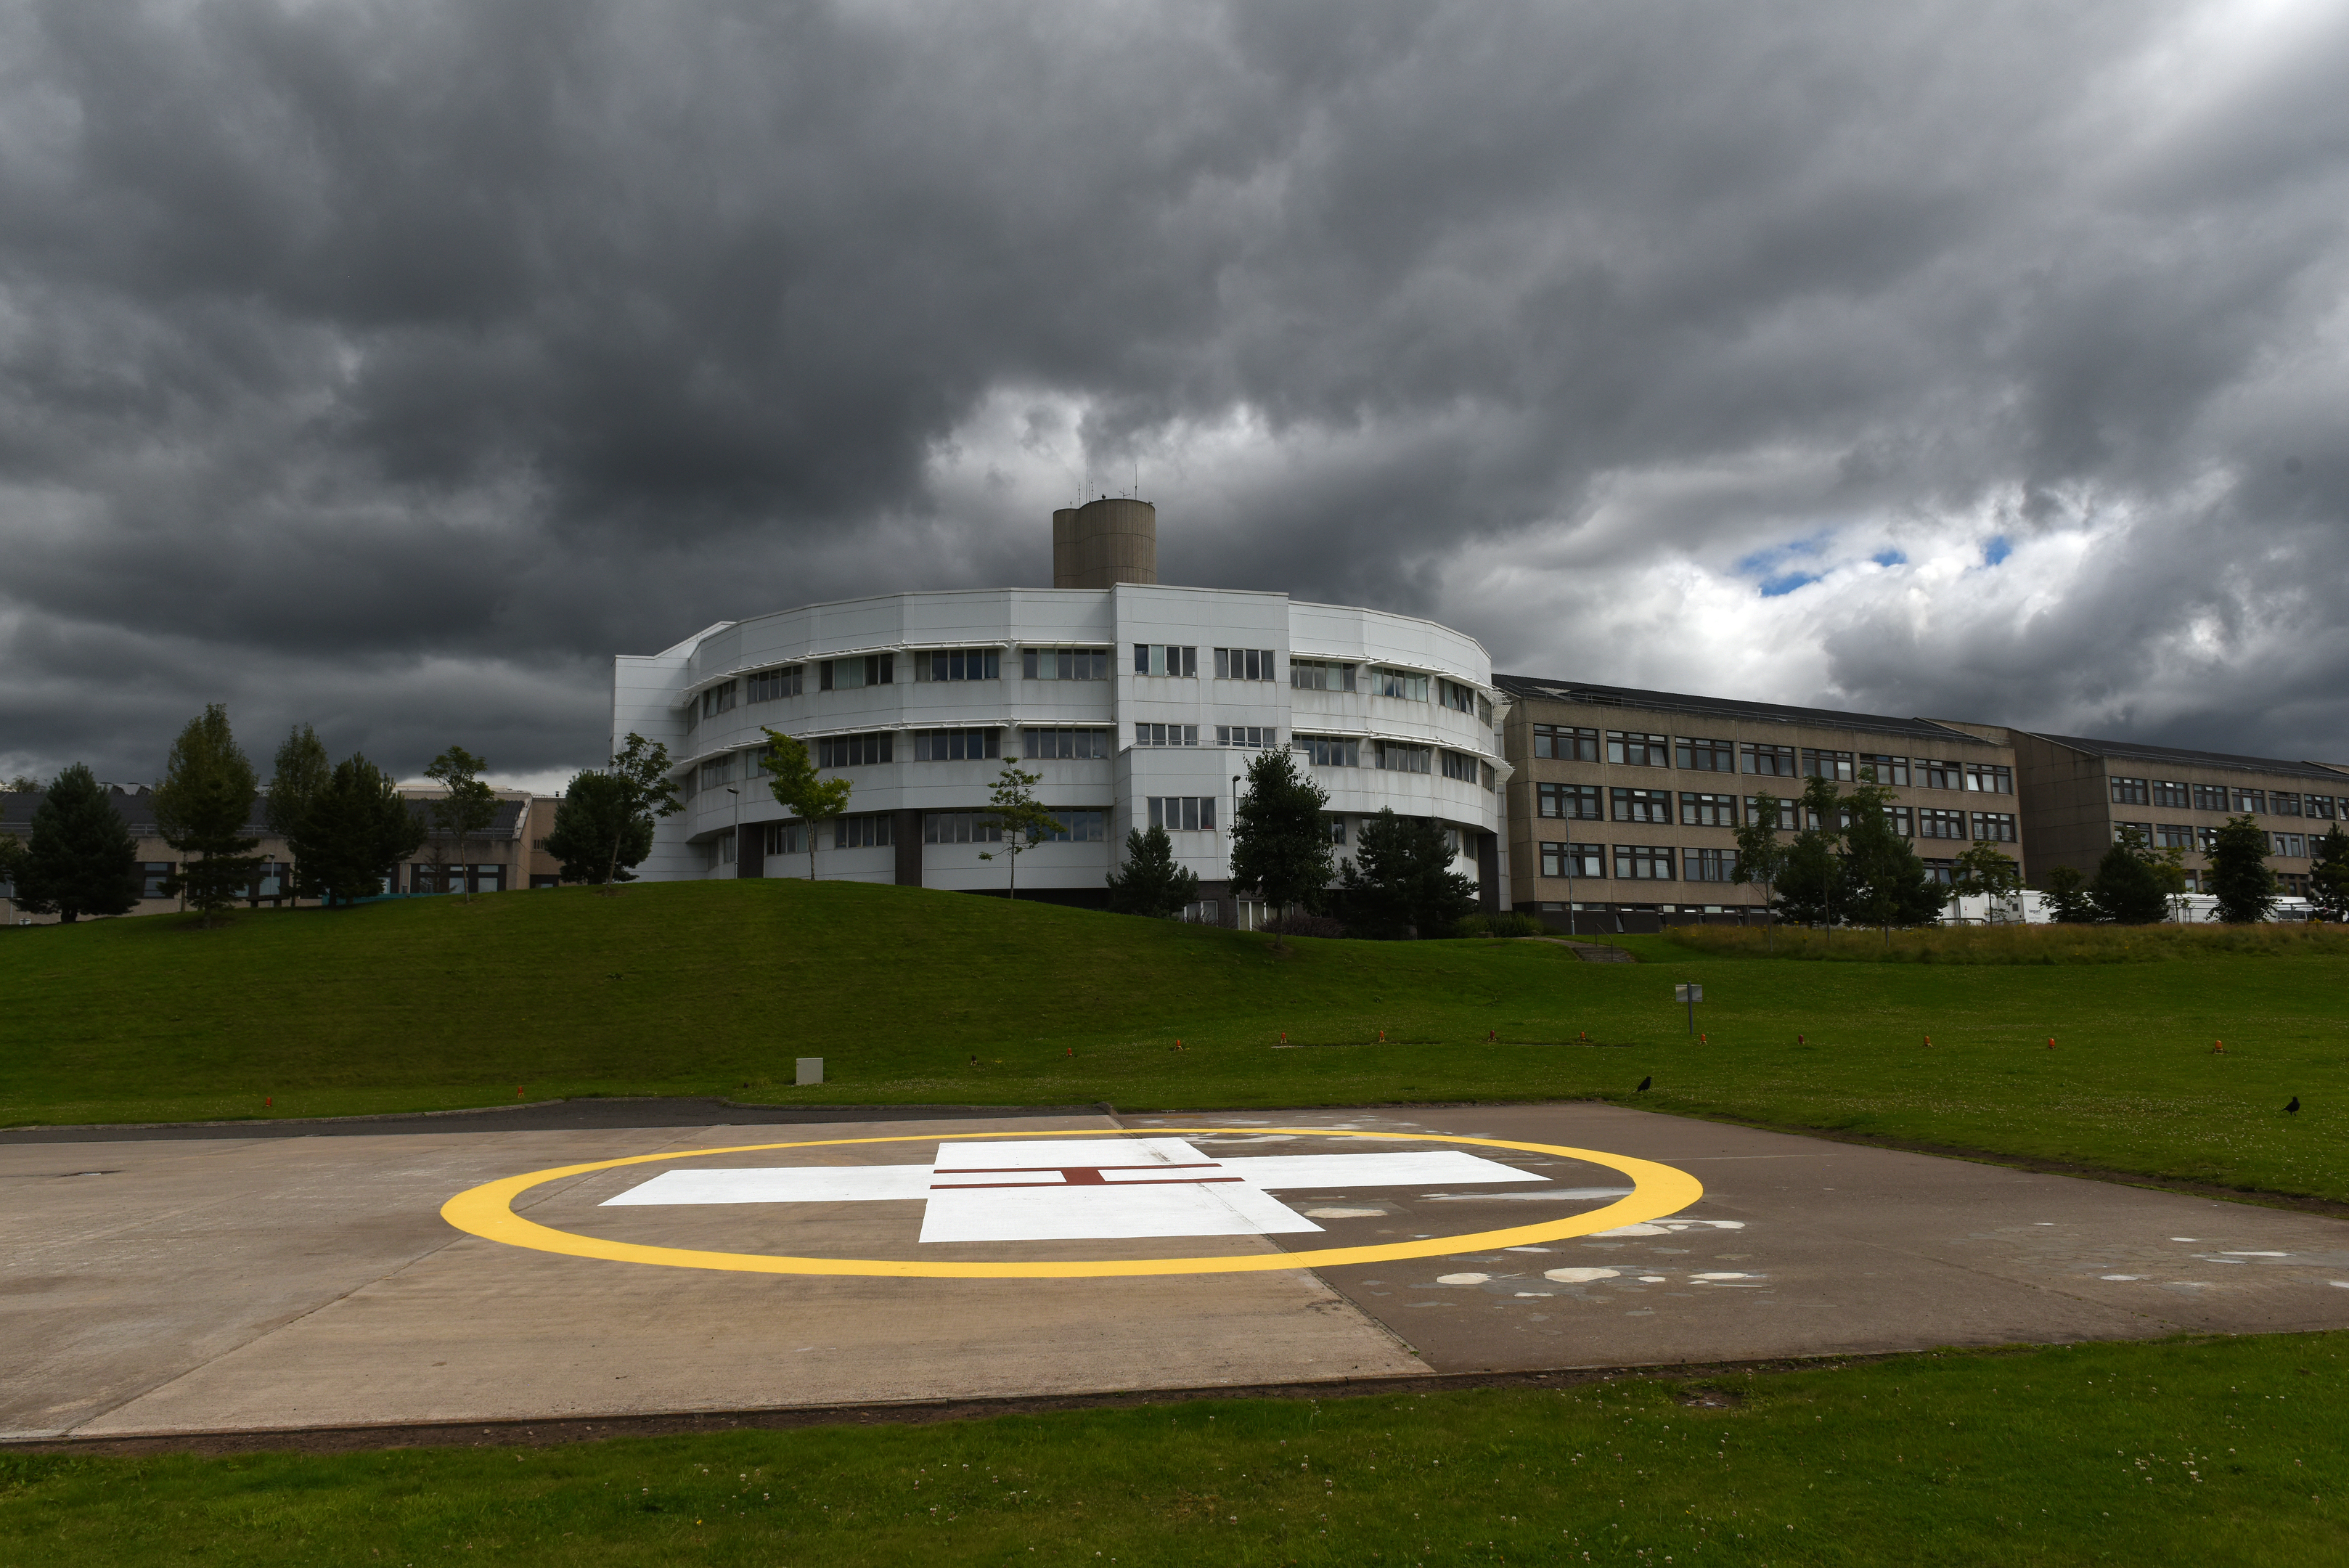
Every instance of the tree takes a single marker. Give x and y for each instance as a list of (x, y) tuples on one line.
[(2124, 890), (2245, 888), (468, 806), (303, 771), (354, 833), (647, 793), (1985, 871), (1813, 876), (22, 784), (1401, 878), (1024, 823), (594, 815), (12, 861), (1280, 840), (1762, 857), (791, 778), (80, 859), (1150, 882), (202, 807), (2065, 889), (2328, 875), (1885, 884)]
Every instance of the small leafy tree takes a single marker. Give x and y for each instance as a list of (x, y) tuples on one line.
[(356, 832), (302, 772), (80, 859), (641, 766), (1985, 871), (2066, 889), (2126, 890), (468, 807), (202, 807), (1024, 822), (1762, 857), (2240, 877), (1280, 840), (596, 812), (1886, 884), (792, 780), (1150, 882), (22, 784), (1401, 879), (2328, 875)]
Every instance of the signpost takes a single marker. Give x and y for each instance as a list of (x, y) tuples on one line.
[(1691, 994)]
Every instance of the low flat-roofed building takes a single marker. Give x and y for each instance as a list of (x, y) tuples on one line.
[(1629, 801), (506, 854), (2077, 794)]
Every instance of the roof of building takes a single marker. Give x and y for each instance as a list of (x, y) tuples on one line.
[(2137, 750), (1730, 708)]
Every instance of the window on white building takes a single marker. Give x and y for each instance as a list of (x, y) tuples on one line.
[(1183, 813), (955, 745), (1165, 734), (1248, 737), (1246, 664), (1064, 663), (1321, 675), (767, 685), (1047, 745), (1164, 659), (1331, 751), (851, 674), (959, 664)]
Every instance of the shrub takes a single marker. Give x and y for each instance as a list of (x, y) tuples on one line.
[(2048, 944), (1508, 925), (1301, 924)]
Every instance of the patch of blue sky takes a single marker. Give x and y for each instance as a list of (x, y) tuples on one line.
[(1776, 568), (1788, 582), (1997, 550), (1890, 557)]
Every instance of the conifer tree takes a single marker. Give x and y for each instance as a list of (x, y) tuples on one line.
[(203, 808), (1150, 882), (302, 770), (80, 859), (2245, 888), (2328, 875), (1280, 840), (356, 832)]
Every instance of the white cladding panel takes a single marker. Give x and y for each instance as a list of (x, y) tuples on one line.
[(659, 697)]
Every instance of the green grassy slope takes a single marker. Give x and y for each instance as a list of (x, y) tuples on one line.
[(2227, 1451), (716, 986)]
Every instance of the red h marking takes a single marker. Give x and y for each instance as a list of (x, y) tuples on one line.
[(1070, 1176)]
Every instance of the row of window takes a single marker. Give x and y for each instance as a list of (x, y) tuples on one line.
[(1183, 813), (2174, 796), (1629, 748), (2191, 835), (1591, 803), (1088, 664), (1639, 862)]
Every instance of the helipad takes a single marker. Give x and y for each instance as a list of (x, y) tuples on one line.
[(223, 1279)]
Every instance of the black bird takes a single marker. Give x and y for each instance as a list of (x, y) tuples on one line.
[(2293, 1109), (1645, 1082)]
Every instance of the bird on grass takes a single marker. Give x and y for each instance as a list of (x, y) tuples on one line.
[(1650, 1079), (2293, 1109)]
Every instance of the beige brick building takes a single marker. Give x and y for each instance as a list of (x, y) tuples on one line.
[(2077, 793), (1628, 801)]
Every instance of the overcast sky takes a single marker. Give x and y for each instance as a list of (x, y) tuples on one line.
[(392, 366)]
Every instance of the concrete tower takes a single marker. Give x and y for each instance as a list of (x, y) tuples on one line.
[(1104, 542)]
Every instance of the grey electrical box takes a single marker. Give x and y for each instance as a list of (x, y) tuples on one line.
[(811, 1070)]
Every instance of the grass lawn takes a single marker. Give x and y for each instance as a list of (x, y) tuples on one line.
[(2214, 1451), (715, 987)]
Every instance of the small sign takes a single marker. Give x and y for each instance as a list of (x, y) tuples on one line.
[(1688, 994)]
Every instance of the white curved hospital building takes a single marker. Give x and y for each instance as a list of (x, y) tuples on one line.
[(1138, 703)]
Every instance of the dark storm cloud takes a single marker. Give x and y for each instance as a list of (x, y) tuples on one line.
[(391, 366)]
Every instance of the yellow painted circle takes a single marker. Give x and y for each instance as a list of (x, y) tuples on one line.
[(487, 1210)]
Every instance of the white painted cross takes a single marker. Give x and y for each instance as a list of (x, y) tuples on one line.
[(1062, 1189)]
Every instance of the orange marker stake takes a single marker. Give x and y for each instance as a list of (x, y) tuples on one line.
[(2051, 1042), (517, 1091), (2217, 1047), (1928, 1042), (1703, 1039), (267, 1101), (1383, 1036)]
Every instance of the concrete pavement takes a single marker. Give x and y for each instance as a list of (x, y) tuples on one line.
[(251, 1284)]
